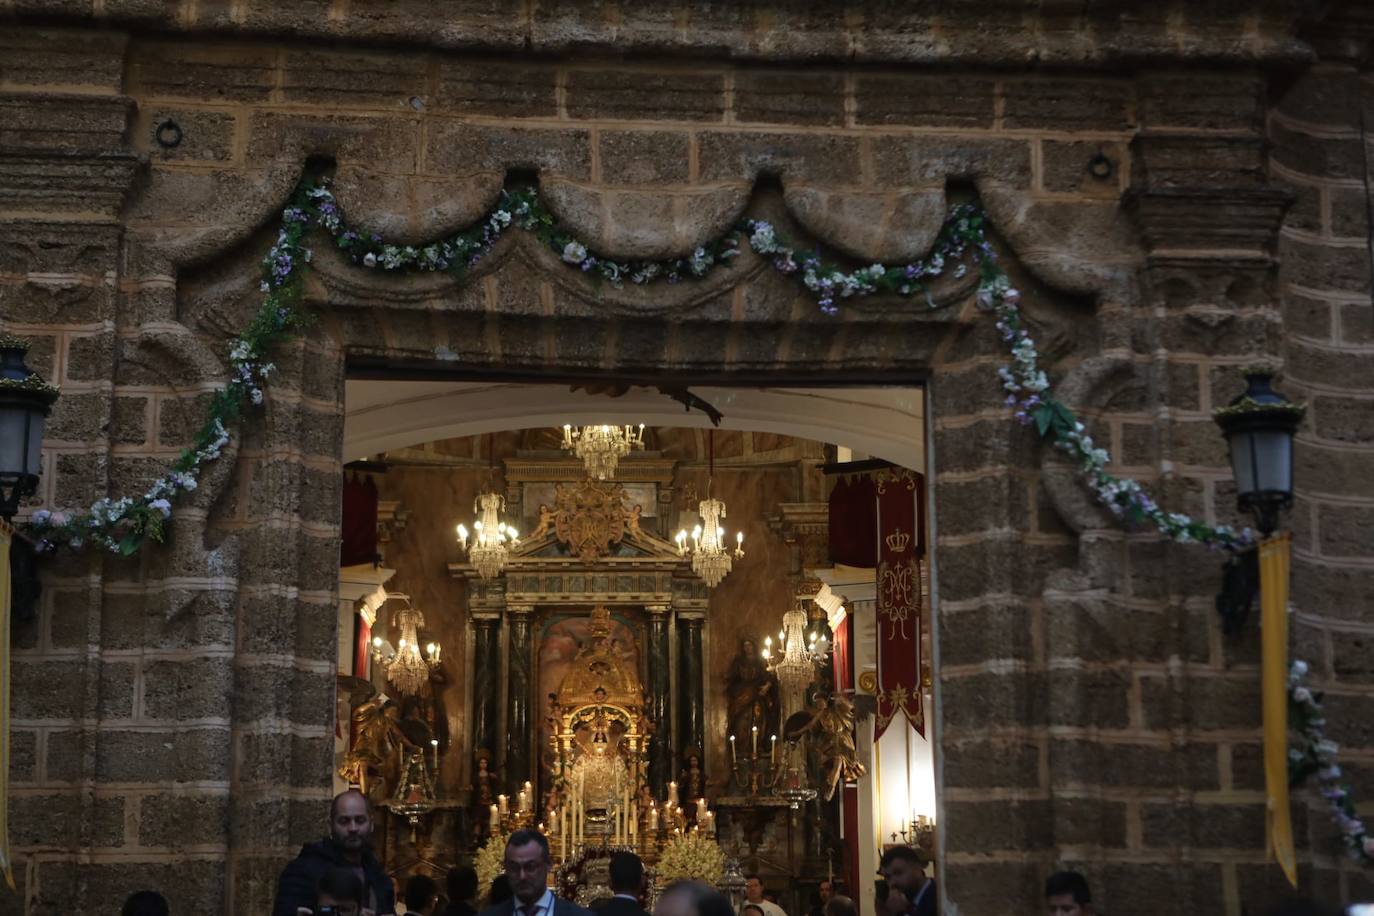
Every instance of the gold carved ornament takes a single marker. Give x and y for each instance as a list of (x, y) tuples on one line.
[(589, 517)]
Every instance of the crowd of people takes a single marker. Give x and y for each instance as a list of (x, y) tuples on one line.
[(340, 876)]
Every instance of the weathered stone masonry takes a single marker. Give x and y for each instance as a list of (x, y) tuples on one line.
[(173, 713)]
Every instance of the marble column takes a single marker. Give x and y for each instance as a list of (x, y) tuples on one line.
[(691, 688), (660, 704), (519, 680), (486, 689)]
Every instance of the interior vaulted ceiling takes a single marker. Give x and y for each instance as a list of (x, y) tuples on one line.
[(385, 415)]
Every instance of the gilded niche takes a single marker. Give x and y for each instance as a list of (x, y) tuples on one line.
[(589, 517)]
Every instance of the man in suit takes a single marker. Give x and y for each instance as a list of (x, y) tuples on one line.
[(905, 870), (627, 883), (527, 865)]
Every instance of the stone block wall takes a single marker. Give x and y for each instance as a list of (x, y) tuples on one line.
[(173, 713)]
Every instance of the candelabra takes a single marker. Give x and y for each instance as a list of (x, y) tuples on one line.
[(753, 772), (601, 447), (503, 819)]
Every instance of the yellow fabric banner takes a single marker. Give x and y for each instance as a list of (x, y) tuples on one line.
[(1273, 565), (6, 865)]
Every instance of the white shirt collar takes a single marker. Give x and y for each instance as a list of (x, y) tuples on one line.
[(542, 907)]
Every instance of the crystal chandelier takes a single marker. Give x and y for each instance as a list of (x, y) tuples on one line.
[(405, 666), (711, 558), (491, 536), (797, 658), (601, 447)]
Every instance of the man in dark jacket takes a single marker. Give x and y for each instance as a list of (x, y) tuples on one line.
[(627, 883), (527, 863), (349, 845), (905, 869)]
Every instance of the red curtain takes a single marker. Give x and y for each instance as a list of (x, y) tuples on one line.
[(899, 496), (854, 522), (843, 655), (359, 520)]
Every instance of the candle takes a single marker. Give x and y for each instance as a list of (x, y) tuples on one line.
[(495, 820), (755, 730), (520, 804), (773, 754), (529, 795), (435, 744), (733, 759), (653, 818), (672, 794), (501, 805)]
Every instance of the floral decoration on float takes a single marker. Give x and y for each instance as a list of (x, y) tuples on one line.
[(691, 856)]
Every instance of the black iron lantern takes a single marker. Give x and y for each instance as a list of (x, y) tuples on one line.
[(1259, 427), (25, 401)]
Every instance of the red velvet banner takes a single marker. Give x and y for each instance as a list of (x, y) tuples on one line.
[(842, 656), (359, 542), (899, 493)]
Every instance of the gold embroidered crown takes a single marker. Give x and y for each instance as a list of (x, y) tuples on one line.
[(898, 541)]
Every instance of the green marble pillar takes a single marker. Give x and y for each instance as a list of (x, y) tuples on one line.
[(519, 686), (660, 704), (486, 694), (691, 668)]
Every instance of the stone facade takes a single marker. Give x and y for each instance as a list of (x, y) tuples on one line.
[(173, 713)]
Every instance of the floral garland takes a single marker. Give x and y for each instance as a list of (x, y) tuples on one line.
[(1317, 755), (122, 525), (693, 857)]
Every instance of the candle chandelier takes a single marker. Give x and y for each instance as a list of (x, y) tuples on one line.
[(405, 666), (798, 654), (602, 446), (711, 557), (492, 538)]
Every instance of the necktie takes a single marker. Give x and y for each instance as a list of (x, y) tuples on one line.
[(530, 909)]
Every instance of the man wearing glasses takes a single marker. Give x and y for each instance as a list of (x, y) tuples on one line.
[(527, 866)]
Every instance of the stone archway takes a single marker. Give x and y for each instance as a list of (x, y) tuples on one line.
[(522, 314)]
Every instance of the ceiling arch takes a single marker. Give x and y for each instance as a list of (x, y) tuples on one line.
[(380, 416)]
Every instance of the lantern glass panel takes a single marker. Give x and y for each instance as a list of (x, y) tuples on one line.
[(1273, 461), (1243, 461), (35, 443), (14, 447)]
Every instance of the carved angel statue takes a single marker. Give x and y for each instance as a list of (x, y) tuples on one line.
[(832, 727)]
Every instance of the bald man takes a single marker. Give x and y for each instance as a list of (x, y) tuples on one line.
[(349, 845)]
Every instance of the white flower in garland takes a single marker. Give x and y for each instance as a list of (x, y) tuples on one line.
[(574, 253)]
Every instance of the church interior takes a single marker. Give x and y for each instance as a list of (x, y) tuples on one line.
[(691, 625)]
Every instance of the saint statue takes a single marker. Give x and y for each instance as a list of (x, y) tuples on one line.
[(483, 781), (752, 694), (691, 781)]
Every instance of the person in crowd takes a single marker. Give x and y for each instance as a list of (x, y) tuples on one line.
[(754, 893), (839, 905), (499, 892), (422, 895), (462, 891), (905, 870), (824, 891), (627, 883), (527, 863), (1067, 894), (339, 893), (349, 845), (693, 898), (751, 909), (144, 903), (888, 901)]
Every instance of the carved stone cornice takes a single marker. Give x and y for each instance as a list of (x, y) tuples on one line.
[(1217, 224)]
